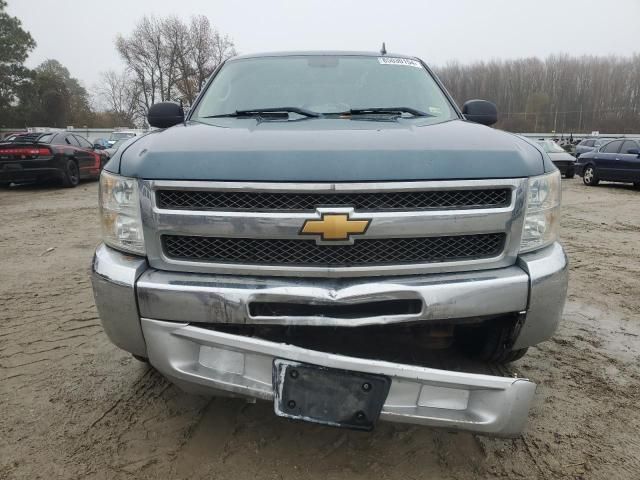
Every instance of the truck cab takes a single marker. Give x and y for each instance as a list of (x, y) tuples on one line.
[(315, 220)]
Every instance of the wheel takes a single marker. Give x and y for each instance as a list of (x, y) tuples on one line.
[(71, 177), (5, 184), (589, 177), (489, 342), (636, 184), (140, 358), (570, 173)]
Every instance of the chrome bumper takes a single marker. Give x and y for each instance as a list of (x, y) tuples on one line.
[(243, 365), (145, 311)]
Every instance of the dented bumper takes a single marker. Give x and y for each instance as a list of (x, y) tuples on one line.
[(153, 313), (213, 360)]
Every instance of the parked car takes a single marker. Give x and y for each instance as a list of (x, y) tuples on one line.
[(111, 150), (101, 144), (616, 161), (590, 144), (122, 135), (315, 225), (63, 156), (559, 156)]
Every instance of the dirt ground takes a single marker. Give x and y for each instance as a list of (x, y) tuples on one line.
[(72, 405)]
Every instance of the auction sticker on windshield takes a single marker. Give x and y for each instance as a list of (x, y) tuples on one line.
[(407, 62)]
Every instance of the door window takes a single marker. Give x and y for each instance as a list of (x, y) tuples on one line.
[(71, 141), (84, 143), (628, 145), (59, 140), (611, 147)]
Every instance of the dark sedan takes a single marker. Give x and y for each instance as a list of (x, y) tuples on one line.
[(559, 156), (616, 161), (61, 156)]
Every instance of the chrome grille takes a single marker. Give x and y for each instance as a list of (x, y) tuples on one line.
[(362, 201), (250, 251)]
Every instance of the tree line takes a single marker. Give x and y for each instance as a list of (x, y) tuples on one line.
[(47, 94), (170, 59), (561, 93), (164, 59)]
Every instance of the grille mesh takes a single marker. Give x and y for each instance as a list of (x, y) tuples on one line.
[(274, 201), (363, 252)]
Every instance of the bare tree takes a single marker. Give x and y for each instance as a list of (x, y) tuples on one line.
[(171, 60), (122, 96)]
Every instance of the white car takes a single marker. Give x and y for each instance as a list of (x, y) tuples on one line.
[(122, 135)]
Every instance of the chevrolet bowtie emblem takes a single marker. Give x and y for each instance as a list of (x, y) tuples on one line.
[(334, 226)]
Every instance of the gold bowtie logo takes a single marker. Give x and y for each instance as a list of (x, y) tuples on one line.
[(335, 226)]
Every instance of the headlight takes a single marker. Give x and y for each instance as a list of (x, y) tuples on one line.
[(120, 213), (543, 212)]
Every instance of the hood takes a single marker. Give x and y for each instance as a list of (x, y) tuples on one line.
[(328, 150), (561, 156)]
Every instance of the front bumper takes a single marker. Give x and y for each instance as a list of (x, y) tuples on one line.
[(243, 365), (565, 166), (579, 168), (148, 312)]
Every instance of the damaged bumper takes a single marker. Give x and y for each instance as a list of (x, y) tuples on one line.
[(193, 356), (153, 313)]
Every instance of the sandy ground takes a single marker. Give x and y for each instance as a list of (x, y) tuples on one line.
[(72, 405)]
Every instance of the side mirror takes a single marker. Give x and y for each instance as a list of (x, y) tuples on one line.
[(480, 111), (165, 114), (633, 151)]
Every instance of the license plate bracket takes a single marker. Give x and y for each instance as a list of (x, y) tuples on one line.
[(328, 396)]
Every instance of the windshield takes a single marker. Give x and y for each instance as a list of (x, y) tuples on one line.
[(324, 84), (551, 147), (120, 136)]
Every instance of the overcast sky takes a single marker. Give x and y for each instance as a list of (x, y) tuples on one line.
[(81, 33)]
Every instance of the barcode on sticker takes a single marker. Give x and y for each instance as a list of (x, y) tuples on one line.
[(407, 62)]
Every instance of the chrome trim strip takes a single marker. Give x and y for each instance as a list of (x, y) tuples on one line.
[(420, 395), (332, 187), (287, 224), (384, 224), (192, 297)]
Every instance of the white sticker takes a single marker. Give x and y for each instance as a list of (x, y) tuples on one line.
[(406, 62)]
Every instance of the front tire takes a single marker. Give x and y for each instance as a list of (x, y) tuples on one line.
[(589, 176), (570, 173), (71, 174)]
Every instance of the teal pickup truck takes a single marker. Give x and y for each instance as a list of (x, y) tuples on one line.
[(315, 220)]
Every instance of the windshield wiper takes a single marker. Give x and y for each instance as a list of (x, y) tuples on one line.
[(387, 111), (272, 110)]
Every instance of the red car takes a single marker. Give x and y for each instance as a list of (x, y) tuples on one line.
[(35, 157)]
